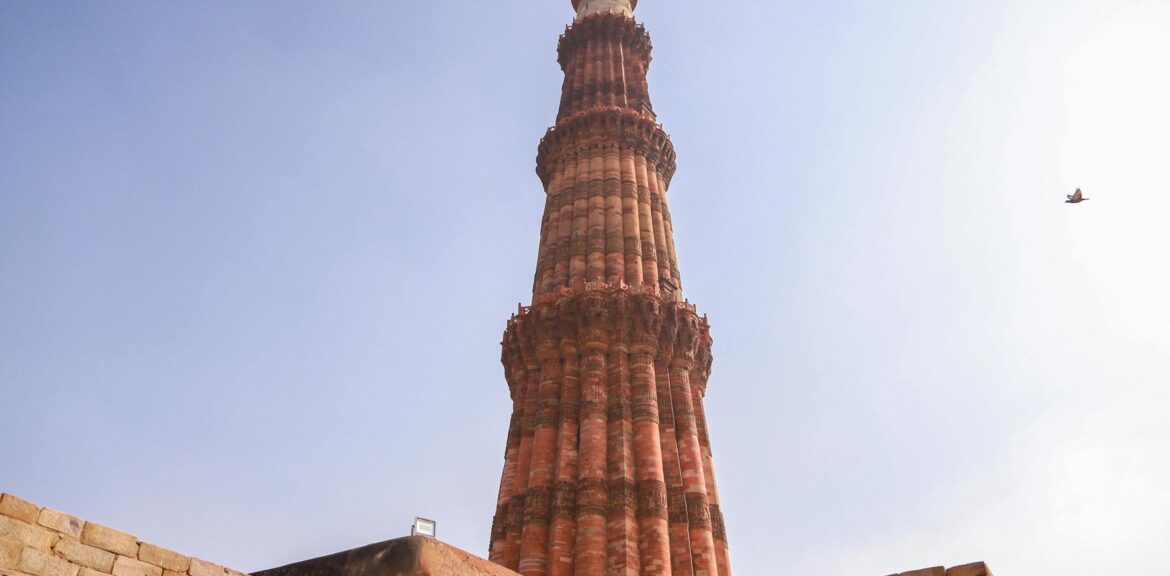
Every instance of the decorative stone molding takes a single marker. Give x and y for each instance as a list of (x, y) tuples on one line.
[(602, 128), (633, 36)]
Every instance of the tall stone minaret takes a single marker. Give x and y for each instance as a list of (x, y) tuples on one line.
[(607, 470)]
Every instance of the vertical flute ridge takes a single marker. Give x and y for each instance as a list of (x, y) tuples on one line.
[(562, 533)]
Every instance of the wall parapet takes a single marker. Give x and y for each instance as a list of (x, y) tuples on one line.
[(406, 556), (37, 541), (973, 569)]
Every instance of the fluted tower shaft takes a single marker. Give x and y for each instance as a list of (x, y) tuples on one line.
[(608, 468)]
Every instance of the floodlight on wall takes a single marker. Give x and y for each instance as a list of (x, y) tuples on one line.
[(422, 527)]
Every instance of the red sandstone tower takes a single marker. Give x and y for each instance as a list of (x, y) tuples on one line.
[(607, 470)]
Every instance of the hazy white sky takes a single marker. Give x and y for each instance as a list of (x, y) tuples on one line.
[(256, 257)]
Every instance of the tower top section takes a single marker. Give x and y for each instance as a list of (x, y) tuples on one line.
[(586, 7)]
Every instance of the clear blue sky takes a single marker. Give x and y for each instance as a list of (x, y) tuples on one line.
[(256, 259)]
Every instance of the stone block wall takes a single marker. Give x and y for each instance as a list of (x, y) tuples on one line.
[(37, 541)]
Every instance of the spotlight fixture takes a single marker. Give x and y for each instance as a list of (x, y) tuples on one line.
[(422, 527)]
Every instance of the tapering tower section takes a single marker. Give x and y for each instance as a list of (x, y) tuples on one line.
[(607, 469)]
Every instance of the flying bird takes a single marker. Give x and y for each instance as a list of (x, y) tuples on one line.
[(1075, 197)]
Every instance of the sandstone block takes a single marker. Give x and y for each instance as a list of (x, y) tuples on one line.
[(205, 568), (109, 539), (61, 522), (231, 572), (91, 572), (39, 563), (10, 552), (124, 566), (936, 571), (173, 573), (29, 535), (7, 572), (22, 510), (162, 557), (83, 555), (973, 569)]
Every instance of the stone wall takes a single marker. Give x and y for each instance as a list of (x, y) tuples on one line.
[(37, 541), (974, 569), (408, 556)]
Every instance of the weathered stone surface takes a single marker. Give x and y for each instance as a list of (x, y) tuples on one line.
[(19, 508), (410, 556), (162, 557), (110, 539), (10, 572), (935, 571), (973, 569), (205, 568), (124, 566), (41, 564), (29, 535), (84, 555), (10, 552), (61, 522), (58, 544)]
